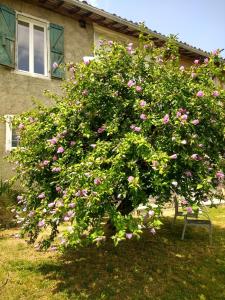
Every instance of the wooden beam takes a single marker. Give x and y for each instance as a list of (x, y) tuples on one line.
[(59, 3)]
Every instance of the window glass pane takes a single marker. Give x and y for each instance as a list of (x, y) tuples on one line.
[(39, 50), (23, 46), (15, 137)]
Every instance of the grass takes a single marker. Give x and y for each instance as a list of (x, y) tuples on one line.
[(160, 267)]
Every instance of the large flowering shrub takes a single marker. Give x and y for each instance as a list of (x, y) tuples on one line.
[(131, 124)]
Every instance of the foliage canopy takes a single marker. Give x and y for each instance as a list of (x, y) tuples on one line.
[(131, 124)]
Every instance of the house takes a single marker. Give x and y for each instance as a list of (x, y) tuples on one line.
[(36, 35)]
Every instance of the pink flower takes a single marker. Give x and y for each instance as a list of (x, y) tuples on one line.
[(46, 162), (195, 157), (215, 52), (86, 60), (132, 126), (153, 231), (52, 204), (129, 235), (71, 205), (193, 75), (56, 169), (137, 129), (83, 193), (195, 122), (97, 181), (41, 223), (142, 103), (189, 210), (200, 94), (215, 94), (101, 130), (173, 156), (184, 118), (110, 43), (220, 175), (182, 68), (196, 61), (60, 150), (206, 60), (53, 141), (55, 65), (85, 92), (58, 189), (166, 119), (21, 126), (130, 83), (184, 202), (72, 143), (188, 173), (55, 158), (143, 117), (41, 196), (19, 198), (130, 179), (138, 88), (151, 213)]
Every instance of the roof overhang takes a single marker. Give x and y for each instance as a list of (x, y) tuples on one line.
[(81, 10)]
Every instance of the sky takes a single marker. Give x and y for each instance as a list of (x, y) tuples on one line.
[(200, 23)]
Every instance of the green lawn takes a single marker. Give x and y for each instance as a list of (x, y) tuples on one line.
[(155, 267)]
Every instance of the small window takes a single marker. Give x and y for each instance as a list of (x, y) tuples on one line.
[(12, 135), (32, 46)]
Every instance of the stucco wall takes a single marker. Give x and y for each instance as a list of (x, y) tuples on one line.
[(16, 90)]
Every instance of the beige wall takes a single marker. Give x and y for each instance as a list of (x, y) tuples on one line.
[(16, 90)]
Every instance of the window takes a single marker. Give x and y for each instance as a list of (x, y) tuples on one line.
[(12, 136), (32, 46)]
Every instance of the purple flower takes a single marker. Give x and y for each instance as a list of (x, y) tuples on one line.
[(184, 118), (173, 156), (58, 189), (52, 204), (215, 52), (97, 181), (137, 129), (85, 92), (101, 130), (132, 126), (71, 205), (130, 83), (195, 157), (189, 210), (220, 175), (19, 198), (153, 231), (86, 60), (151, 213), (31, 214), (41, 196), (138, 88), (195, 122), (56, 169), (129, 235), (166, 119), (143, 117), (41, 223), (215, 94), (46, 162), (53, 141), (60, 150), (110, 43), (55, 65), (130, 179), (21, 126), (182, 68), (196, 61), (83, 193), (142, 103), (188, 173), (200, 94)]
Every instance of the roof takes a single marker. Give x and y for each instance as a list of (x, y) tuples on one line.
[(84, 11)]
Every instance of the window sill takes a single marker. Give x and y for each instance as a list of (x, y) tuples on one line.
[(40, 76)]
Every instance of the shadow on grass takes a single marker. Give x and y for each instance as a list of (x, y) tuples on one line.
[(154, 267)]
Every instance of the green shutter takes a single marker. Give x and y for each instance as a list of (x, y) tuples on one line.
[(7, 36), (57, 50)]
